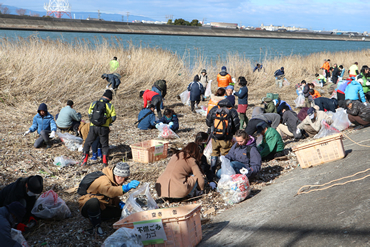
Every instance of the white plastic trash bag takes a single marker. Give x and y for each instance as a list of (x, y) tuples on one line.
[(133, 202), (72, 142), (124, 237), (286, 82), (208, 151), (208, 91), (185, 97), (234, 188), (63, 161), (340, 120), (326, 130), (50, 205), (299, 101), (166, 132), (202, 111), (18, 237)]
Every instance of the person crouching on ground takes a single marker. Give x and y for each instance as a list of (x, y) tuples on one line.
[(313, 122), (113, 80), (146, 118), (45, 125), (153, 98), (242, 95), (68, 118), (100, 194), (244, 154), (196, 90), (272, 145), (289, 124), (358, 113), (182, 175), (269, 105), (170, 118)]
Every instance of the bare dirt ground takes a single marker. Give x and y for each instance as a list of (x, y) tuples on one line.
[(20, 159)]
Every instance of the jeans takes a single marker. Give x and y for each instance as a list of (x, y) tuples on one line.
[(96, 145), (157, 101), (154, 89), (236, 165), (44, 137)]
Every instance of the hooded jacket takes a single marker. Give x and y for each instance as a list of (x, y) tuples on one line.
[(177, 181), (353, 90), (272, 118), (224, 79), (6, 228), (326, 66), (326, 104), (105, 189), (290, 119), (112, 80), (233, 113), (196, 89), (281, 105), (147, 96), (270, 106), (239, 153), (242, 95), (279, 73), (252, 125), (173, 119), (359, 109), (271, 143), (315, 94), (109, 109), (43, 123), (66, 116), (148, 122), (316, 124), (17, 191), (342, 85)]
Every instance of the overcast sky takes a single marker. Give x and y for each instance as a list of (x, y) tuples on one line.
[(312, 14)]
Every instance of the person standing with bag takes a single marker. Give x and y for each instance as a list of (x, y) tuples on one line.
[(242, 102), (196, 90), (102, 114)]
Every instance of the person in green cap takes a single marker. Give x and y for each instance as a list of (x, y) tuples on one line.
[(114, 64)]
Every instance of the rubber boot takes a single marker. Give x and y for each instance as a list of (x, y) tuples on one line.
[(99, 153), (95, 221), (105, 160), (94, 156), (84, 162)]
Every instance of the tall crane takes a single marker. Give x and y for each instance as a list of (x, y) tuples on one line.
[(58, 8)]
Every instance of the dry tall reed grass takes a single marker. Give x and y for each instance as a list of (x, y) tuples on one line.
[(34, 70)]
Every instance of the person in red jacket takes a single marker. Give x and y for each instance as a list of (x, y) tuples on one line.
[(154, 99)]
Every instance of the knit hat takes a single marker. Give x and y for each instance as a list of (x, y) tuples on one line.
[(121, 169), (17, 209), (108, 94), (230, 87), (35, 184), (223, 68), (311, 112), (42, 107)]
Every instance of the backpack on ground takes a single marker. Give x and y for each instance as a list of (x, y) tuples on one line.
[(222, 123), (99, 116), (87, 181)]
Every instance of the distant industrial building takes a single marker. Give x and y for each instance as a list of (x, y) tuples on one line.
[(281, 28), (224, 25)]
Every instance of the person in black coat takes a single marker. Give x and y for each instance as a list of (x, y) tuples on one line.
[(24, 190), (196, 90), (326, 104), (336, 74)]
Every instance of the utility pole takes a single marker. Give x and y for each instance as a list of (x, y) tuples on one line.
[(99, 14), (128, 13), (204, 19)]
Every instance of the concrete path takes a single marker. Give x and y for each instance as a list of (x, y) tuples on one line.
[(338, 216)]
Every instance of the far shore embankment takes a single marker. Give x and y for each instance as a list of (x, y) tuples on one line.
[(14, 22)]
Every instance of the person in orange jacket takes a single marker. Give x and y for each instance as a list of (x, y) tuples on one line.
[(223, 78), (314, 93), (326, 67)]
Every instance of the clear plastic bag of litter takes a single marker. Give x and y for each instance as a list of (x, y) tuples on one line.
[(49, 205), (208, 91), (185, 97), (340, 120), (326, 130), (18, 237), (71, 142), (124, 237), (299, 101), (63, 161), (166, 132), (138, 201)]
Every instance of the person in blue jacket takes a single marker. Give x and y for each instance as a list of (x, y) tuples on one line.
[(196, 90), (45, 125), (244, 154), (354, 90), (170, 118), (229, 95), (280, 105), (146, 118), (242, 95)]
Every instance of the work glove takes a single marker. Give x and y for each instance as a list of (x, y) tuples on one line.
[(170, 124), (244, 171), (23, 228), (131, 185), (365, 103), (368, 83), (52, 134), (121, 204), (156, 126), (107, 87), (298, 131), (31, 222), (26, 133), (213, 185)]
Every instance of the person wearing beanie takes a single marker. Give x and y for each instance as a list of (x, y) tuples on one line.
[(279, 77), (23, 190), (196, 90), (154, 99), (45, 125), (223, 78), (9, 216), (112, 79), (242, 95), (229, 95), (68, 118), (100, 192), (102, 114)]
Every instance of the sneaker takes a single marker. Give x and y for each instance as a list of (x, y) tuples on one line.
[(94, 156), (95, 230)]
